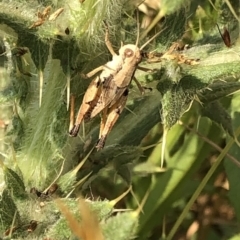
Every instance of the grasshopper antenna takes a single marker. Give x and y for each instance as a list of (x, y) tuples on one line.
[(138, 28), (152, 38)]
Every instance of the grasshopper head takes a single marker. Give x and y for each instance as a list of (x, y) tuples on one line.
[(130, 53)]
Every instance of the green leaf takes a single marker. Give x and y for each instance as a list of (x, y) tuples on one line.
[(215, 111), (173, 29), (47, 127), (60, 229), (125, 172), (14, 183), (66, 51), (122, 226), (8, 211), (235, 237), (177, 97), (233, 172), (217, 90), (17, 131), (170, 186), (103, 209), (170, 7), (39, 50)]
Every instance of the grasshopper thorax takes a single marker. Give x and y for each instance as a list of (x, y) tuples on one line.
[(130, 52)]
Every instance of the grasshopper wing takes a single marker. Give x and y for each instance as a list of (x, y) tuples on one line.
[(110, 94)]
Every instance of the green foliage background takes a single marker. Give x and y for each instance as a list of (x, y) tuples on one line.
[(36, 149)]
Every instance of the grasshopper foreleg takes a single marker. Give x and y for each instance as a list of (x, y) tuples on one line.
[(146, 69), (112, 117), (93, 72), (107, 41), (140, 87)]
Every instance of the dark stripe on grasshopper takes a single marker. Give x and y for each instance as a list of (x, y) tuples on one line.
[(101, 142), (74, 131)]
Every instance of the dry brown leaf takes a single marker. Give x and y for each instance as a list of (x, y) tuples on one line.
[(54, 15), (88, 228)]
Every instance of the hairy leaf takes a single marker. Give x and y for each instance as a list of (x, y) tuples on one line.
[(215, 111)]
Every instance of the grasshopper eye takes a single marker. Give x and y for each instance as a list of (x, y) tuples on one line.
[(128, 53)]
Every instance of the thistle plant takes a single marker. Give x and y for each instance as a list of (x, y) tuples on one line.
[(45, 49)]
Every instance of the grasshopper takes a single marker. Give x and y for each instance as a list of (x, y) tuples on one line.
[(107, 93)]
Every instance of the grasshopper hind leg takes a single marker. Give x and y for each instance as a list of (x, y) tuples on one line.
[(74, 131), (89, 102), (112, 116), (101, 142)]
